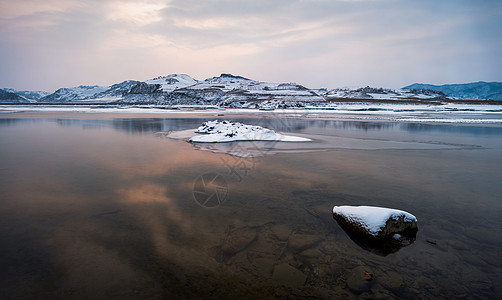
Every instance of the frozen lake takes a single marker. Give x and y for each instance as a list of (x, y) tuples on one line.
[(103, 206)]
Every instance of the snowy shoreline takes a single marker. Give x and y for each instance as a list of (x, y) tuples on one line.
[(461, 114)]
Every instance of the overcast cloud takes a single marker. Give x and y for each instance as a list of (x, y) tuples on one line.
[(318, 43)]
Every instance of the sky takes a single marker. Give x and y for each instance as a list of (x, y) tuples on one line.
[(45, 45)]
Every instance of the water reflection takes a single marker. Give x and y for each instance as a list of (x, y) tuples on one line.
[(133, 126), (471, 130), (149, 125), (92, 213), (9, 122)]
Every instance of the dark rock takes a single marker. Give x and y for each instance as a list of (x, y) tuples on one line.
[(382, 247)]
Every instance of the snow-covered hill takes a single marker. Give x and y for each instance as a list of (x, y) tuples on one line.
[(475, 90), (29, 95), (94, 92), (385, 94), (9, 97), (233, 91), (173, 82), (226, 90), (71, 94)]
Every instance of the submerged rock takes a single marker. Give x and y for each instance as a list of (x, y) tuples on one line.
[(264, 266), (359, 280), (288, 275), (237, 240), (281, 232), (299, 242), (391, 280), (377, 229)]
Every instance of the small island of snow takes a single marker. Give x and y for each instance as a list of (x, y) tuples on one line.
[(226, 131)]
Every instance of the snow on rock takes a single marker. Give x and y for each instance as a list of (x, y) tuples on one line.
[(226, 131), (376, 222)]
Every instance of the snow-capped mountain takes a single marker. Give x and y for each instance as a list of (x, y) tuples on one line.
[(384, 94), (29, 95), (226, 90), (475, 90), (229, 90), (10, 97), (71, 94), (116, 90), (173, 82), (94, 92)]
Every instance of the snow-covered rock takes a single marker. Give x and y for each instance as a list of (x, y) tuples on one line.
[(377, 222), (377, 229), (226, 131)]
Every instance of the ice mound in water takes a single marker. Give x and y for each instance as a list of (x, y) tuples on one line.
[(226, 131)]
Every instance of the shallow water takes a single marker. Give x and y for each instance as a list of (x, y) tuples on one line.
[(100, 208)]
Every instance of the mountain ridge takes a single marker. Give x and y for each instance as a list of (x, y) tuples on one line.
[(89, 92), (229, 90), (473, 90), (7, 96)]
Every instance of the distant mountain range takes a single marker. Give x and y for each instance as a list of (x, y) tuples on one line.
[(228, 90), (6, 96), (25, 96), (475, 90), (95, 92)]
